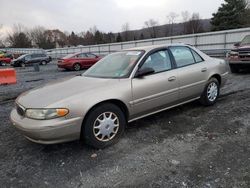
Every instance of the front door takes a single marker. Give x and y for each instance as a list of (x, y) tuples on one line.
[(158, 90)]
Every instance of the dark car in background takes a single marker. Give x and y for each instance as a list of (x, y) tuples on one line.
[(239, 58), (78, 61), (29, 59)]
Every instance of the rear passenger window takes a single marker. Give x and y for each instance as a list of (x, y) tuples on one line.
[(81, 55), (91, 56), (197, 57), (183, 56)]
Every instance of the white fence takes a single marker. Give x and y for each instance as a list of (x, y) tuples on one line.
[(211, 42)]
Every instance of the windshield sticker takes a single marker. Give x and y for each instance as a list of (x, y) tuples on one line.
[(133, 53)]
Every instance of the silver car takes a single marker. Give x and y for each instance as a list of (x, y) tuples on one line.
[(120, 88)]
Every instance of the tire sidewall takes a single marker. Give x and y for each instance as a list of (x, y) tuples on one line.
[(204, 98), (87, 130), (43, 63)]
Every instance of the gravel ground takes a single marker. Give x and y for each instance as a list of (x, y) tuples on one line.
[(188, 146)]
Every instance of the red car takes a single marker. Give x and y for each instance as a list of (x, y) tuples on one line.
[(4, 60), (78, 61)]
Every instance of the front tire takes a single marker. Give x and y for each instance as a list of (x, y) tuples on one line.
[(210, 93), (104, 126)]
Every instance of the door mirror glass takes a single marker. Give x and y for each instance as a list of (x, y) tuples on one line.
[(144, 71)]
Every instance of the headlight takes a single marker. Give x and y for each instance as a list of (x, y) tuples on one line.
[(234, 53), (43, 114)]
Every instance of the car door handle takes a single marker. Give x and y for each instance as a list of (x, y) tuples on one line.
[(204, 70), (172, 78)]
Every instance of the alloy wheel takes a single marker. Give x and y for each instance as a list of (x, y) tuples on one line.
[(77, 67)]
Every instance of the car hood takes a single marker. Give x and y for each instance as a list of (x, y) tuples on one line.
[(60, 90), (242, 48)]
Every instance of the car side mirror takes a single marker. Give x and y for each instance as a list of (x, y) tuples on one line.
[(237, 44), (143, 72)]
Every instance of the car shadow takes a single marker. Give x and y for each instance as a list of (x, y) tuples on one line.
[(243, 71), (170, 123), (173, 123)]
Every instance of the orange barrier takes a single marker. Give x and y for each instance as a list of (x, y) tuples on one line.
[(7, 76)]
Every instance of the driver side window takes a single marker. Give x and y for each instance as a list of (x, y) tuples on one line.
[(159, 61), (28, 57)]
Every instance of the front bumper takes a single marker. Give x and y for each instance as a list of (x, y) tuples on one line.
[(238, 62), (47, 131), (224, 78)]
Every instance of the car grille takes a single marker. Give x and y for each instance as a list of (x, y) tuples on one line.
[(20, 110), (244, 54)]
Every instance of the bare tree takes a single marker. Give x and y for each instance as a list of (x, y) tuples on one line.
[(109, 37), (89, 38), (172, 16), (185, 19), (125, 31), (93, 30), (194, 25), (1, 36), (37, 36), (151, 25), (19, 38)]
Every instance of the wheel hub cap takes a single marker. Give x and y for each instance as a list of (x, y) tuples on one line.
[(212, 91), (106, 126)]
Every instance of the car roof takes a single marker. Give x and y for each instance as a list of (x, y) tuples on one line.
[(149, 48), (79, 53)]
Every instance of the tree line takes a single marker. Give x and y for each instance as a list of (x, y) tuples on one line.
[(231, 15)]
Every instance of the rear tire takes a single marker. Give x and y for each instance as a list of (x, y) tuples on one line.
[(210, 93), (234, 69), (77, 67), (103, 126)]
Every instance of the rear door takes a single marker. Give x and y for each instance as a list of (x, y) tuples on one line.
[(192, 72), (28, 59), (35, 58), (38, 58), (158, 90), (92, 59)]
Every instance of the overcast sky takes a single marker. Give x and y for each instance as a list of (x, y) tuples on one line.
[(107, 15)]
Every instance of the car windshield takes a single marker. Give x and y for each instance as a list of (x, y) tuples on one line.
[(116, 65), (22, 56), (246, 40)]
